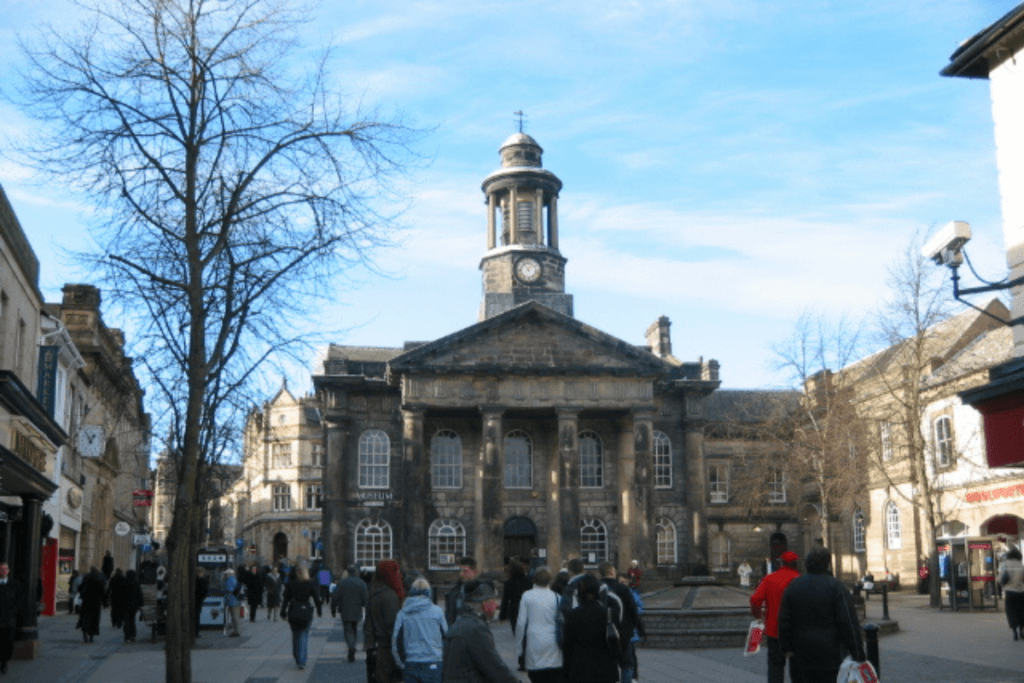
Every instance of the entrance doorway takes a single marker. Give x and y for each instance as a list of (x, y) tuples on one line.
[(520, 539), (280, 545)]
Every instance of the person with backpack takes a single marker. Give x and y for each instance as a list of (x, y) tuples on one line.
[(298, 610), (589, 656), (417, 642), (629, 621), (232, 593)]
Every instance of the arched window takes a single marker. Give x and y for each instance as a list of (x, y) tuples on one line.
[(446, 460), (374, 460), (518, 460), (667, 554), (446, 543), (662, 461), (944, 441), (593, 542), (893, 528), (373, 542), (591, 461), (858, 532)]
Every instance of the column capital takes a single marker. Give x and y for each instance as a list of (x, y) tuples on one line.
[(568, 412), (645, 412), (414, 408), (336, 421), (498, 410)]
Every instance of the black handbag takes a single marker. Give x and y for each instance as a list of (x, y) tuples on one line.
[(300, 613)]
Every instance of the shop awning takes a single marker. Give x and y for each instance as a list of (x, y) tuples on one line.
[(1001, 404)]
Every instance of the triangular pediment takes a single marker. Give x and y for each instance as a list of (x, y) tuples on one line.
[(530, 339)]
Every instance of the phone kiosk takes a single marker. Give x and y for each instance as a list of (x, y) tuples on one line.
[(967, 572)]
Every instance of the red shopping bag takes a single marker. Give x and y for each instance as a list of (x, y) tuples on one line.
[(754, 636)]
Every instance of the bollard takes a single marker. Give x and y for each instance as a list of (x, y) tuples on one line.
[(885, 601), (871, 646)]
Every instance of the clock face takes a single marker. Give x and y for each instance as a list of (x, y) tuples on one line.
[(528, 270), (90, 441)]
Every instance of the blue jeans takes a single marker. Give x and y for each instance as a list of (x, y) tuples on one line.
[(422, 672), (300, 638), (628, 664)]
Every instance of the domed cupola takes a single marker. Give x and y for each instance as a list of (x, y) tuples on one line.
[(522, 262)]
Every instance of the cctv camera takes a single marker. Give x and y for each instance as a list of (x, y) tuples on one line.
[(944, 248)]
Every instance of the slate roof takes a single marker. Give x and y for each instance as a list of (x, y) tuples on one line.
[(992, 348), (742, 405)]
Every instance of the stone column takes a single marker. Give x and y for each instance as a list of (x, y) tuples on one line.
[(568, 485), (642, 488), (27, 572), (553, 221), (491, 235), (538, 221), (490, 491), (416, 490), (513, 216), (696, 494), (333, 514)]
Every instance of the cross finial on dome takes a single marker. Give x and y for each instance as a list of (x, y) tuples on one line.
[(520, 115)]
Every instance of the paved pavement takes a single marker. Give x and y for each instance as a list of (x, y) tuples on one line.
[(932, 647)]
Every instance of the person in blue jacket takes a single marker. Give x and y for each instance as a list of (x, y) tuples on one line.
[(418, 639), (232, 588)]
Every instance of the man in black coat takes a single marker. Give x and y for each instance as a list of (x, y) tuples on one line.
[(470, 655), (630, 618), (817, 624), (9, 601)]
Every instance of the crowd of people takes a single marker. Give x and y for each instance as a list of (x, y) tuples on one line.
[(107, 587)]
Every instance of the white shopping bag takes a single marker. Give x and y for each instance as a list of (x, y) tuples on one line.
[(856, 672), (754, 636)]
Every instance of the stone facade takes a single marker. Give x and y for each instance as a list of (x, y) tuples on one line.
[(528, 434)]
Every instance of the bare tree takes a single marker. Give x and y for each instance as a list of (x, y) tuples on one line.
[(232, 185), (891, 386), (823, 432)]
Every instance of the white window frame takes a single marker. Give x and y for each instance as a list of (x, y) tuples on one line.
[(718, 483), (282, 497), (591, 460), (446, 460), (662, 450), (593, 540), (885, 435), (372, 541), (667, 545), (777, 488), (374, 459), (893, 527), (446, 543), (515, 473), (859, 545), (942, 428), (314, 497)]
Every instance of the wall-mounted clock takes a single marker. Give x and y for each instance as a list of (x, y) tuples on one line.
[(91, 440), (528, 270)]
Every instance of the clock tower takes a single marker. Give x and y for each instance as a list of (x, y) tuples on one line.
[(522, 262)]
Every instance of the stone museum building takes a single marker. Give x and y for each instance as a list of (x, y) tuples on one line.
[(529, 433)]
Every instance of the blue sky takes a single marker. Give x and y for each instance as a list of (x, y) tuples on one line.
[(729, 164)]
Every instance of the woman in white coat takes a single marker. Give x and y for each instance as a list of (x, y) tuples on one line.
[(536, 628)]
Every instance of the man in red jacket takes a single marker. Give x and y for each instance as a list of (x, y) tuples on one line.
[(764, 604)]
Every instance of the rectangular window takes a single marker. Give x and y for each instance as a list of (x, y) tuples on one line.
[(718, 483), (720, 559), (777, 488), (662, 461), (944, 441), (280, 455), (885, 433), (314, 499), (317, 457), (282, 497)]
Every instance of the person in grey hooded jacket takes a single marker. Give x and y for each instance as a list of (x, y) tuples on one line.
[(469, 652), (418, 639)]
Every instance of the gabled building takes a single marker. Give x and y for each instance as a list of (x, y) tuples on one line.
[(528, 434)]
